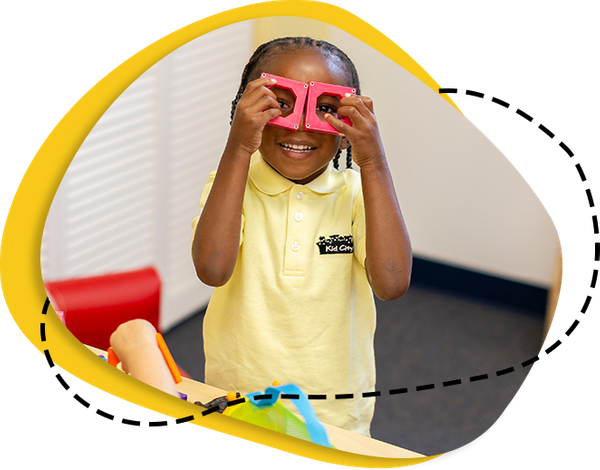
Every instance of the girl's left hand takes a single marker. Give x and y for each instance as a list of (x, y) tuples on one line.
[(363, 135)]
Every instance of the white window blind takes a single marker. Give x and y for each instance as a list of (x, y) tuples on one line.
[(132, 190)]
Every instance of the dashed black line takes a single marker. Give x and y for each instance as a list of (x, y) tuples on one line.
[(523, 114), (266, 396), (290, 396), (344, 396), (48, 358), (546, 131), (217, 408), (421, 388), (104, 414), (528, 362), (317, 397), (500, 102), (554, 346), (184, 420), (502, 372), (42, 324), (572, 328), (340, 396), (476, 94), (451, 383), (210, 410), (240, 400), (477, 378), (46, 305)]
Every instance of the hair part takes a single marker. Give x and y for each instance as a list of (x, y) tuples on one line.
[(279, 45)]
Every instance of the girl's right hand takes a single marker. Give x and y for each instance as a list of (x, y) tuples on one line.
[(257, 106)]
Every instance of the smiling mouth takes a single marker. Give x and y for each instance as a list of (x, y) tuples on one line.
[(298, 148)]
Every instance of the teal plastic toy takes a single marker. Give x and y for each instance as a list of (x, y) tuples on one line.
[(264, 409)]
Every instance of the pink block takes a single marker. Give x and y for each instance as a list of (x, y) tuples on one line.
[(299, 90), (316, 89)]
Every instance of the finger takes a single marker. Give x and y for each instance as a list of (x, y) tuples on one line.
[(368, 103), (354, 114), (270, 113), (260, 96), (337, 124), (264, 103), (363, 104), (256, 84), (249, 111)]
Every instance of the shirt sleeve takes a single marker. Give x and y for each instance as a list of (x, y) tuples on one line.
[(359, 228), (205, 192)]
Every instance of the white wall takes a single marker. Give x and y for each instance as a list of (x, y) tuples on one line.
[(133, 188), (463, 201)]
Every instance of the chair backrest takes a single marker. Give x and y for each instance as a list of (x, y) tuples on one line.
[(94, 307)]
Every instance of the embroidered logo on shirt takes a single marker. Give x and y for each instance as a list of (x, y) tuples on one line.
[(335, 244)]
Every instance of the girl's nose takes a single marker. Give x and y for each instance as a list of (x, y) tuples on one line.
[(302, 119)]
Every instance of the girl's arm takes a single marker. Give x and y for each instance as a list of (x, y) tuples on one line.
[(389, 256), (134, 342), (217, 238)]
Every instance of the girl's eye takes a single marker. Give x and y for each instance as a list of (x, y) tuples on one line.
[(322, 109), (326, 109), (286, 109)]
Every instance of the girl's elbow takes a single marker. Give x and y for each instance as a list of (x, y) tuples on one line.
[(393, 290), (212, 277), (212, 274), (390, 294), (391, 283)]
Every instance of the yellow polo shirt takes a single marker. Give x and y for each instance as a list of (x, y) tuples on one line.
[(298, 307)]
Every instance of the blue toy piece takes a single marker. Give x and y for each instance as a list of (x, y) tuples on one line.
[(315, 429)]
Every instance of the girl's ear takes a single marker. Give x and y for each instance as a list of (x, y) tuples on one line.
[(344, 143)]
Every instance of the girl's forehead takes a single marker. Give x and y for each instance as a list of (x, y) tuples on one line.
[(305, 65)]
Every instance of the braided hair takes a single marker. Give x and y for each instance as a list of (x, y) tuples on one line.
[(268, 49)]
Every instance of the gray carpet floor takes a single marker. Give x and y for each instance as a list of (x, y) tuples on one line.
[(428, 337)]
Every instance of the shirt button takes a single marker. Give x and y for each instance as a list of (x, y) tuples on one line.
[(298, 217), (295, 246), (299, 195)]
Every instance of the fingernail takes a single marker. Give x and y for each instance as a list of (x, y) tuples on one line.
[(273, 80), (348, 95)]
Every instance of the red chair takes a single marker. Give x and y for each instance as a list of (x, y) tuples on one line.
[(93, 307)]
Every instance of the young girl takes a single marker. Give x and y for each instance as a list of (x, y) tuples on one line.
[(286, 308)]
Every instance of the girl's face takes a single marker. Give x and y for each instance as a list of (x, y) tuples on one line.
[(301, 155)]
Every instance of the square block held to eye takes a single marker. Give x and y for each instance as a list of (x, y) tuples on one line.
[(299, 90), (312, 122)]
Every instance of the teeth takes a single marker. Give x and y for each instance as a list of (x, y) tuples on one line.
[(302, 148)]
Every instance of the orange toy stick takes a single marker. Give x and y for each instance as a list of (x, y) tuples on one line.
[(112, 359), (168, 358)]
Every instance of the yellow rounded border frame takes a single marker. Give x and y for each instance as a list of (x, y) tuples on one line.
[(20, 250)]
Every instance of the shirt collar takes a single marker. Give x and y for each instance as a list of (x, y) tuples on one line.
[(268, 181)]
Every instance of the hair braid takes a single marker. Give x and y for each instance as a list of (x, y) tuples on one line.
[(349, 157), (336, 159), (266, 50)]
